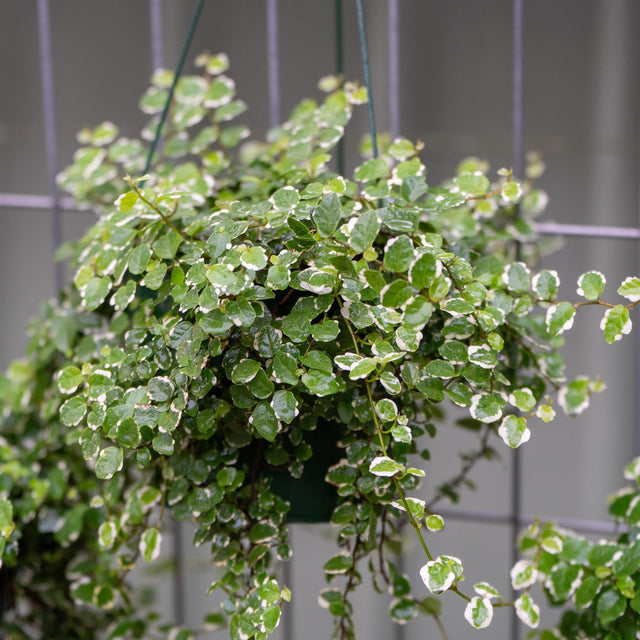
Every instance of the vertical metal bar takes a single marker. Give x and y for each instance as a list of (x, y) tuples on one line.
[(518, 88), (339, 72), (367, 77), (518, 169), (288, 619), (273, 61), (394, 68), (155, 28), (49, 114)]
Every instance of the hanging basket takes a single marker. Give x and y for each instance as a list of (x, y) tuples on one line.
[(311, 497)]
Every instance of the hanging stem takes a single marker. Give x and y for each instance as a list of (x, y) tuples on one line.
[(176, 76), (367, 78)]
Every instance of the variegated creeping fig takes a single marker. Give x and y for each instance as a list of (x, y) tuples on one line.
[(241, 308)]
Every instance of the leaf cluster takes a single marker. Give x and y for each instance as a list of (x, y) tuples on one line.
[(235, 316)]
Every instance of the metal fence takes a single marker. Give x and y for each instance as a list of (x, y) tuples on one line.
[(53, 203)]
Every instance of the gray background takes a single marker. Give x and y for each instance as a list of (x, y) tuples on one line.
[(581, 111)]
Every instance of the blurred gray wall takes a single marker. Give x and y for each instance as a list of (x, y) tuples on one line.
[(581, 111)]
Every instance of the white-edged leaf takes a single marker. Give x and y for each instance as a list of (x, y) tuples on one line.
[(150, 543), (615, 323), (630, 289), (479, 612), (523, 574), (514, 431), (591, 285), (440, 574), (528, 611), (560, 318), (386, 467)]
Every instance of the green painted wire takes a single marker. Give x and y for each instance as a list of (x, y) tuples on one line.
[(367, 78), (176, 77)]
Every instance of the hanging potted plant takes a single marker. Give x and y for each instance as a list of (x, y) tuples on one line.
[(243, 315)]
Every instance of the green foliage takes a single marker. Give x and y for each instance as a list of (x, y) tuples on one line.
[(243, 311), (598, 580)]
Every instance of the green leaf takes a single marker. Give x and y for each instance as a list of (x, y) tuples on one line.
[(285, 199), (278, 277), (483, 356), (401, 149), (326, 216), (155, 276), (516, 277), (564, 581), (587, 591), (398, 254), (150, 543), (166, 246), (423, 271), (629, 562), (523, 574), (371, 170), (245, 371), (440, 369), (522, 399), (107, 533), (485, 590), (440, 574), (95, 292), (69, 379), (320, 383), (139, 259), (6, 519), (386, 410), (364, 231), (560, 318), (615, 323), (71, 525), (128, 433), (315, 359), (511, 191), (528, 611), (514, 431), (611, 605), (254, 258), (362, 368), (326, 331), (479, 612), (124, 296), (473, 184), (486, 407), (386, 467), (390, 382), (574, 397), (630, 289), (545, 284), (285, 406), (72, 411), (285, 368), (163, 444), (591, 285), (265, 422), (338, 564), (109, 462), (434, 522), (160, 389), (402, 610)]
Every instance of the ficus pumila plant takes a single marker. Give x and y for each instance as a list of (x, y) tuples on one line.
[(237, 312)]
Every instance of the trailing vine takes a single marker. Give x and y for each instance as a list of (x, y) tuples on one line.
[(237, 311)]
